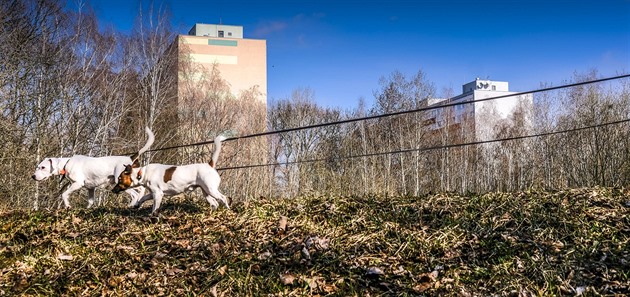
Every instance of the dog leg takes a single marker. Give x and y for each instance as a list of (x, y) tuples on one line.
[(135, 193), (66, 195), (212, 202), (142, 200), (90, 198), (214, 192), (210, 196), (141, 191), (157, 200), (134, 197)]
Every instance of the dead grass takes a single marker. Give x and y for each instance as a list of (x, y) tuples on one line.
[(515, 244)]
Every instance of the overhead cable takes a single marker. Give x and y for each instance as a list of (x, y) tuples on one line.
[(437, 106), (424, 149)]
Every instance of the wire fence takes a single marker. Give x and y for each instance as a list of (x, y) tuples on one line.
[(423, 109), (431, 148)]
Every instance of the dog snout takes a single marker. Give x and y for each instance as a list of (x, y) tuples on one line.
[(116, 189), (34, 177)]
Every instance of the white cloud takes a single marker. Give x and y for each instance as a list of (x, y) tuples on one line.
[(267, 28)]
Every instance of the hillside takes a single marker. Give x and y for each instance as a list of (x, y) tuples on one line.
[(515, 244)]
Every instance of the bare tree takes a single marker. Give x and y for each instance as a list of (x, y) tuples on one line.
[(300, 110), (207, 108), (152, 49)]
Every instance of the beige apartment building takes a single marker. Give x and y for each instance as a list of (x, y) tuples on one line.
[(242, 62), (204, 99)]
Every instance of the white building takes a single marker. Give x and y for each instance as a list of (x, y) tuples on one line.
[(480, 118)]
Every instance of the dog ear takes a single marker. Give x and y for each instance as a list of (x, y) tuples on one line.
[(136, 163)]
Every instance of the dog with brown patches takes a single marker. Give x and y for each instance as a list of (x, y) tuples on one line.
[(90, 172), (171, 180)]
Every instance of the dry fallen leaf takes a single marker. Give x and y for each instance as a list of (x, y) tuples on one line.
[(399, 271), (580, 290), (427, 281), (374, 271), (282, 224), (173, 271), (264, 256), (213, 291), (312, 282), (183, 243), (317, 243), (287, 279), (114, 281), (222, 270), (329, 288), (306, 255), (64, 257), (73, 235)]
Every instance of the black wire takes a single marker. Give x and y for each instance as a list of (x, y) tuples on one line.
[(393, 113), (430, 148)]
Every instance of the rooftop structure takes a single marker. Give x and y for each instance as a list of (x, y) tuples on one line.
[(479, 118)]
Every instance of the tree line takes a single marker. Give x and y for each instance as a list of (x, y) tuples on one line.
[(433, 160)]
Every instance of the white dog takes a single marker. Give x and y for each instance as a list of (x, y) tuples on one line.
[(171, 180), (90, 173)]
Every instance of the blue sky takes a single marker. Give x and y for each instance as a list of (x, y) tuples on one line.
[(340, 49)]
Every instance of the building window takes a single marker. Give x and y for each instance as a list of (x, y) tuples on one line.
[(229, 33), (494, 88), (220, 33)]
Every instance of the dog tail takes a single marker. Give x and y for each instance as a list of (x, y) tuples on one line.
[(150, 140), (217, 150)]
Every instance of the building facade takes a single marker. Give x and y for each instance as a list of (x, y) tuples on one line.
[(241, 62), (221, 89), (480, 118)]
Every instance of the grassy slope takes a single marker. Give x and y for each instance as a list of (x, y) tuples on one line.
[(522, 243)]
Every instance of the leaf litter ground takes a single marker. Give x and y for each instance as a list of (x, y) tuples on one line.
[(572, 242)]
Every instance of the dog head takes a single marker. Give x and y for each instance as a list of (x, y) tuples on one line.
[(129, 177), (46, 169)]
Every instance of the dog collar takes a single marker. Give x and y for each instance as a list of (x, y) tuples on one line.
[(63, 170)]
